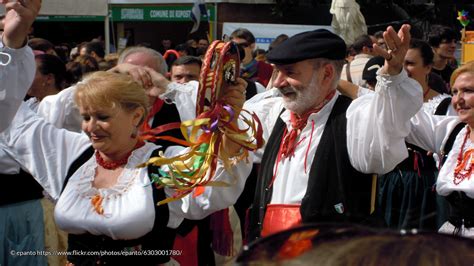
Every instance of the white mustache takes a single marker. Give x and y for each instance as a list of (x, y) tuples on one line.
[(286, 90)]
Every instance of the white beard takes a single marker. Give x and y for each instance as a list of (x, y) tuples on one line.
[(305, 98)]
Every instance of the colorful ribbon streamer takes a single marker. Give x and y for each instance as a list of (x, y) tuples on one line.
[(195, 169)]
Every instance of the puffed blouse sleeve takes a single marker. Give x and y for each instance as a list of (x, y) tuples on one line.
[(42, 149), (377, 123), (15, 79)]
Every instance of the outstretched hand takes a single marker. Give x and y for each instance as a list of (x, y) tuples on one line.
[(19, 17), (397, 45)]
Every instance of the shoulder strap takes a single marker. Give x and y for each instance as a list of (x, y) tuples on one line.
[(348, 72), (158, 193), (443, 106), (449, 143), (86, 155)]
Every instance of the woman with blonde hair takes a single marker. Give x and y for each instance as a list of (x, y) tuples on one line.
[(105, 202), (452, 138)]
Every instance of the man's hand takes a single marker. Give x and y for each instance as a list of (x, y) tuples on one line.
[(234, 95), (19, 17), (153, 82), (397, 45), (159, 83)]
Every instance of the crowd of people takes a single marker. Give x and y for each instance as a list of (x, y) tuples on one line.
[(377, 134)]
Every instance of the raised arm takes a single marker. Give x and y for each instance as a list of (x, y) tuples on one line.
[(378, 123), (17, 66)]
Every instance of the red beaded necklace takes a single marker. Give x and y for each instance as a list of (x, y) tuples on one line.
[(464, 162), (115, 164)]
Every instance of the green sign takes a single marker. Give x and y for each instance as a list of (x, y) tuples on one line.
[(155, 13), (69, 18)]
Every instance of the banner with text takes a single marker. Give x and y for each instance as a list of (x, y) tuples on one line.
[(155, 13)]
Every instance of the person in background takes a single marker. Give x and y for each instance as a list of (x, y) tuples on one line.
[(279, 39), (50, 78), (63, 50), (185, 69), (251, 69), (96, 50), (352, 71), (192, 46), (184, 49), (369, 74), (380, 40), (166, 44), (202, 46), (259, 55), (406, 197), (111, 60), (82, 65), (443, 41), (41, 44)]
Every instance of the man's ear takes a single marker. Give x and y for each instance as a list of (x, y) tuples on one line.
[(329, 72)]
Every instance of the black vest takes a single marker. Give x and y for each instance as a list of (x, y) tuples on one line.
[(336, 192), (157, 242)]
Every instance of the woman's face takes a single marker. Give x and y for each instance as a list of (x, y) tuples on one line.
[(110, 129), (415, 67), (463, 97)]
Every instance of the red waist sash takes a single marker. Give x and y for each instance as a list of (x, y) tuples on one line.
[(280, 217)]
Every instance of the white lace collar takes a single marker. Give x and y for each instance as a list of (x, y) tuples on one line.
[(124, 181)]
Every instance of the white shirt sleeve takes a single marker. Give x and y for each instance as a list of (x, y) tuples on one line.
[(15, 80), (259, 87), (377, 123), (213, 198), (45, 151), (60, 110), (431, 132), (184, 96)]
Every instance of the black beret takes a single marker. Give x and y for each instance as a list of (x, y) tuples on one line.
[(306, 45), (371, 67)]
